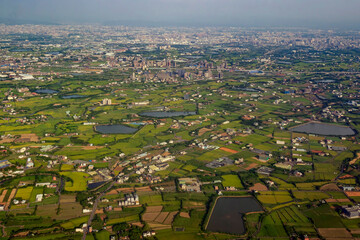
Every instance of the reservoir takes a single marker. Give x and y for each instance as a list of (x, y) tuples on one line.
[(256, 72), (326, 81), (244, 89), (283, 62), (161, 114), (45, 91), (73, 96), (114, 129), (228, 212), (313, 61), (323, 129)]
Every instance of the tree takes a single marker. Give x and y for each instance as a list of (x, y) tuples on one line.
[(121, 229), (135, 233)]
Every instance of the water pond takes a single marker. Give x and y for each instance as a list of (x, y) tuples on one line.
[(161, 114), (114, 129), (323, 129), (45, 91), (73, 96), (228, 212)]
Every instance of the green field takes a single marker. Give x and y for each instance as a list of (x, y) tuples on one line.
[(232, 181), (310, 195), (24, 193), (274, 197), (78, 181)]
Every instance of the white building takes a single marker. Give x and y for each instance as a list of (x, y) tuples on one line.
[(130, 200), (29, 163), (39, 197), (106, 101)]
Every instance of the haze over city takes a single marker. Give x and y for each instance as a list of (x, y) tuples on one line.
[(244, 13)]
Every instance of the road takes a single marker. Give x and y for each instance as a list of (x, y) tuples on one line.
[(92, 215)]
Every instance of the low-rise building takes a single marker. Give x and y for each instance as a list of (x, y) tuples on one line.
[(190, 184), (39, 197), (351, 212), (130, 200), (265, 170)]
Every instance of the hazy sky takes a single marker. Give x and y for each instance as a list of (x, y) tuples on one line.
[(316, 13)]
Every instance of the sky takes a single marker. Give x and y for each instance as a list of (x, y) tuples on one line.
[(244, 13)]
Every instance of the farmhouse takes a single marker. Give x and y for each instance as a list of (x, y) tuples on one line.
[(47, 184), (351, 212), (39, 197), (337, 148), (263, 157), (265, 170), (190, 184), (4, 164), (220, 162), (29, 163), (284, 165)]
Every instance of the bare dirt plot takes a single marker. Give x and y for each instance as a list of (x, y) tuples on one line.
[(352, 194), (184, 215), (3, 196), (251, 166), (112, 192), (355, 231), (91, 147), (143, 189), (139, 224), (150, 217), (170, 218), (330, 187), (193, 205), (29, 137), (125, 190), (331, 200), (12, 195), (202, 131), (228, 150), (352, 162), (118, 169), (341, 233), (99, 211), (22, 234), (67, 198), (258, 187), (7, 140), (158, 226), (161, 217), (153, 209)]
